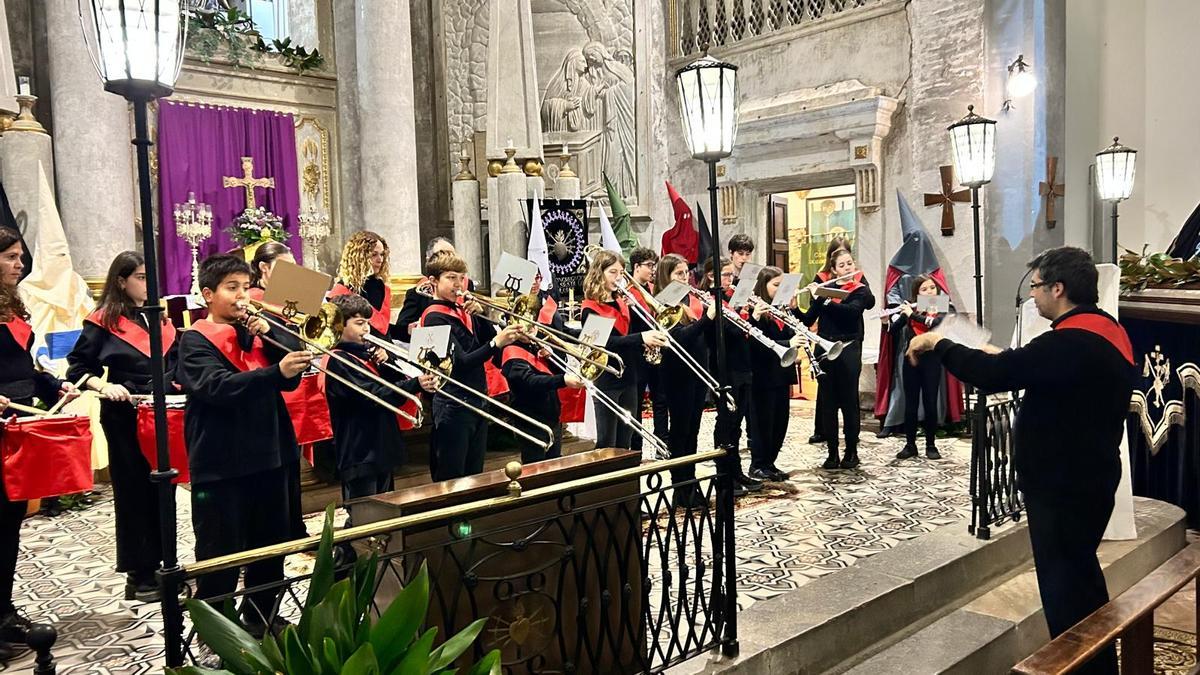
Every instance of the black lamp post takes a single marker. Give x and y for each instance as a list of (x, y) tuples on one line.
[(137, 47), (708, 103), (1114, 181), (973, 141)]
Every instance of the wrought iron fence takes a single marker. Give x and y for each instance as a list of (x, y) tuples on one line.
[(717, 23), (602, 574), (994, 495)]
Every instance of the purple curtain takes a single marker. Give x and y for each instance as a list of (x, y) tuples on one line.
[(197, 146)]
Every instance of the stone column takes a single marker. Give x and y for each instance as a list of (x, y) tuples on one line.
[(506, 212), (350, 218), (8, 78), (23, 149), (387, 130), (468, 239), (96, 191)]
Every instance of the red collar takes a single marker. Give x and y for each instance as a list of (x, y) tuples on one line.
[(548, 310), (619, 314), (22, 332), (694, 307), (223, 336), (463, 316), (1102, 325), (521, 354), (133, 334), (640, 296), (381, 317)]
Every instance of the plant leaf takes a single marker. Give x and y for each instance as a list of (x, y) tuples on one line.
[(194, 670), (364, 579), (361, 662), (398, 624), (488, 665), (416, 660), (322, 578), (271, 649), (237, 648), (295, 655), (454, 647), (333, 660)]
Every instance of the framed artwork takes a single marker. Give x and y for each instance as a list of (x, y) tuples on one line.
[(830, 216)]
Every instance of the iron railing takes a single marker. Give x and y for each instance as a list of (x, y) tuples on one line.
[(601, 574), (718, 23), (994, 494)]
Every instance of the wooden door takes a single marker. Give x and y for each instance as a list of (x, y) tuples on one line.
[(777, 233)]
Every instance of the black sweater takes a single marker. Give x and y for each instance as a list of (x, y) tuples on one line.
[(738, 365), (410, 312), (629, 347), (469, 349), (840, 320), (98, 348), (768, 372), (236, 423), (533, 392), (1069, 426), (366, 436), (19, 380)]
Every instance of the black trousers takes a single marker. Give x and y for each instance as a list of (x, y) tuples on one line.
[(658, 403), (239, 514), (135, 498), (728, 430), (770, 404), (373, 482), (1064, 532), (459, 440), (923, 381), (685, 405), (838, 390), (612, 431)]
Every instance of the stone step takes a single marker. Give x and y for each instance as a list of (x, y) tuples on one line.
[(1004, 625)]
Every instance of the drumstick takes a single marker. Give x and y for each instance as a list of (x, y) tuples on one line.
[(20, 407), (62, 400)]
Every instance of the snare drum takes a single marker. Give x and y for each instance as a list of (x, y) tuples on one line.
[(46, 456), (175, 443)]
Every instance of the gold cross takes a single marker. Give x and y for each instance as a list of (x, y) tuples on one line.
[(1051, 190), (248, 181)]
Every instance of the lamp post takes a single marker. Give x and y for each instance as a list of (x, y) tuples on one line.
[(1115, 167), (137, 47), (973, 142), (708, 104)]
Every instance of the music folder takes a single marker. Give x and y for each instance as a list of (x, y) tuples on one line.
[(297, 288)]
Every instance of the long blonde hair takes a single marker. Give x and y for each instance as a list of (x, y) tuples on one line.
[(594, 287), (355, 266)]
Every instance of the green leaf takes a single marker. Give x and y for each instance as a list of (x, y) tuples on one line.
[(333, 660), (454, 647), (416, 660), (364, 579), (322, 578), (394, 630), (295, 655), (271, 649), (488, 665), (361, 662), (237, 648), (193, 670)]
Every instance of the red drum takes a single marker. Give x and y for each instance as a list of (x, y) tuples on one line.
[(175, 443), (46, 456), (574, 402), (309, 411)]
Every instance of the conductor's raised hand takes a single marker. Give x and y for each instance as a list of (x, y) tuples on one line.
[(294, 363), (921, 344)]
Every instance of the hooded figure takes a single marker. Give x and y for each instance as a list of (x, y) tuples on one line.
[(1187, 243), (682, 238), (914, 258)]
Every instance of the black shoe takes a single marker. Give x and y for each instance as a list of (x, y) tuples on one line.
[(688, 498), (909, 451), (831, 462), (883, 432), (258, 629), (740, 490), (816, 439), (14, 627), (7, 651), (141, 586), (763, 475), (931, 452), (747, 483), (850, 461), (777, 475)]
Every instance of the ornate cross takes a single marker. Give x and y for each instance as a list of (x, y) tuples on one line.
[(248, 181), (1051, 191), (946, 199)]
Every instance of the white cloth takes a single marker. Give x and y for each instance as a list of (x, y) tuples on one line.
[(538, 252), (608, 238), (585, 430), (1121, 524)]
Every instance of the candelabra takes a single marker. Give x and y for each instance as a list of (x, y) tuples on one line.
[(193, 224), (314, 230)]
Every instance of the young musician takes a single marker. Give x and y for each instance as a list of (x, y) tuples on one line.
[(772, 382), (534, 384), (239, 437), (727, 433), (264, 263), (685, 397), (741, 248), (922, 380), (837, 243), (20, 382), (115, 336), (364, 270), (642, 263), (366, 436), (415, 302), (629, 338), (459, 437), (841, 320)]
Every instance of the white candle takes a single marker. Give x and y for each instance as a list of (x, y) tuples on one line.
[(565, 151), (510, 144), (23, 88)]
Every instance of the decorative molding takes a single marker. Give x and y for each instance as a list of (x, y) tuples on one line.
[(1174, 412)]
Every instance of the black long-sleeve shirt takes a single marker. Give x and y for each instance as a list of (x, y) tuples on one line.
[(840, 320), (1077, 384), (738, 366), (768, 372), (236, 423), (366, 436), (534, 392), (629, 347), (470, 349), (19, 380), (97, 348)]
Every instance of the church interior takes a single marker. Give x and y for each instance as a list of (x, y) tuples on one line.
[(602, 336)]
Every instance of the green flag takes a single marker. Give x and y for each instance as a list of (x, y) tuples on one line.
[(622, 225)]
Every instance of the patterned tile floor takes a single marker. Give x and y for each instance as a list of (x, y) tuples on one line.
[(815, 524)]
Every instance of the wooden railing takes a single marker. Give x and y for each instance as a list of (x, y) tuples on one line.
[(1129, 617), (718, 23)]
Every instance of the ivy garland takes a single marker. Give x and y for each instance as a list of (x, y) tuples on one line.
[(231, 29)]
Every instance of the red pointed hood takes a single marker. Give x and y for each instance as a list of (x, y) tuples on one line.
[(682, 239)]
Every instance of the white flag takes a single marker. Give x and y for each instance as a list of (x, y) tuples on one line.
[(538, 251), (608, 238)]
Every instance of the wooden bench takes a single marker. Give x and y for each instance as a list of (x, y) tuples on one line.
[(1128, 617)]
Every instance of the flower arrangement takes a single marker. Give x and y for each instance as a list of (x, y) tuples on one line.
[(1140, 271), (256, 226)]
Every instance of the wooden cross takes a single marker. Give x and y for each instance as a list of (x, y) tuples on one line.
[(1051, 191), (248, 181), (946, 199)]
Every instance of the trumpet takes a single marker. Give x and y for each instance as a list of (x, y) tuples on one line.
[(427, 361), (329, 321), (787, 355), (832, 349)]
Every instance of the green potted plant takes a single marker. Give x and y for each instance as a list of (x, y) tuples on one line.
[(337, 634)]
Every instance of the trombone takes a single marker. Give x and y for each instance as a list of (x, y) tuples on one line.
[(442, 368), (309, 328), (832, 349), (787, 355)]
